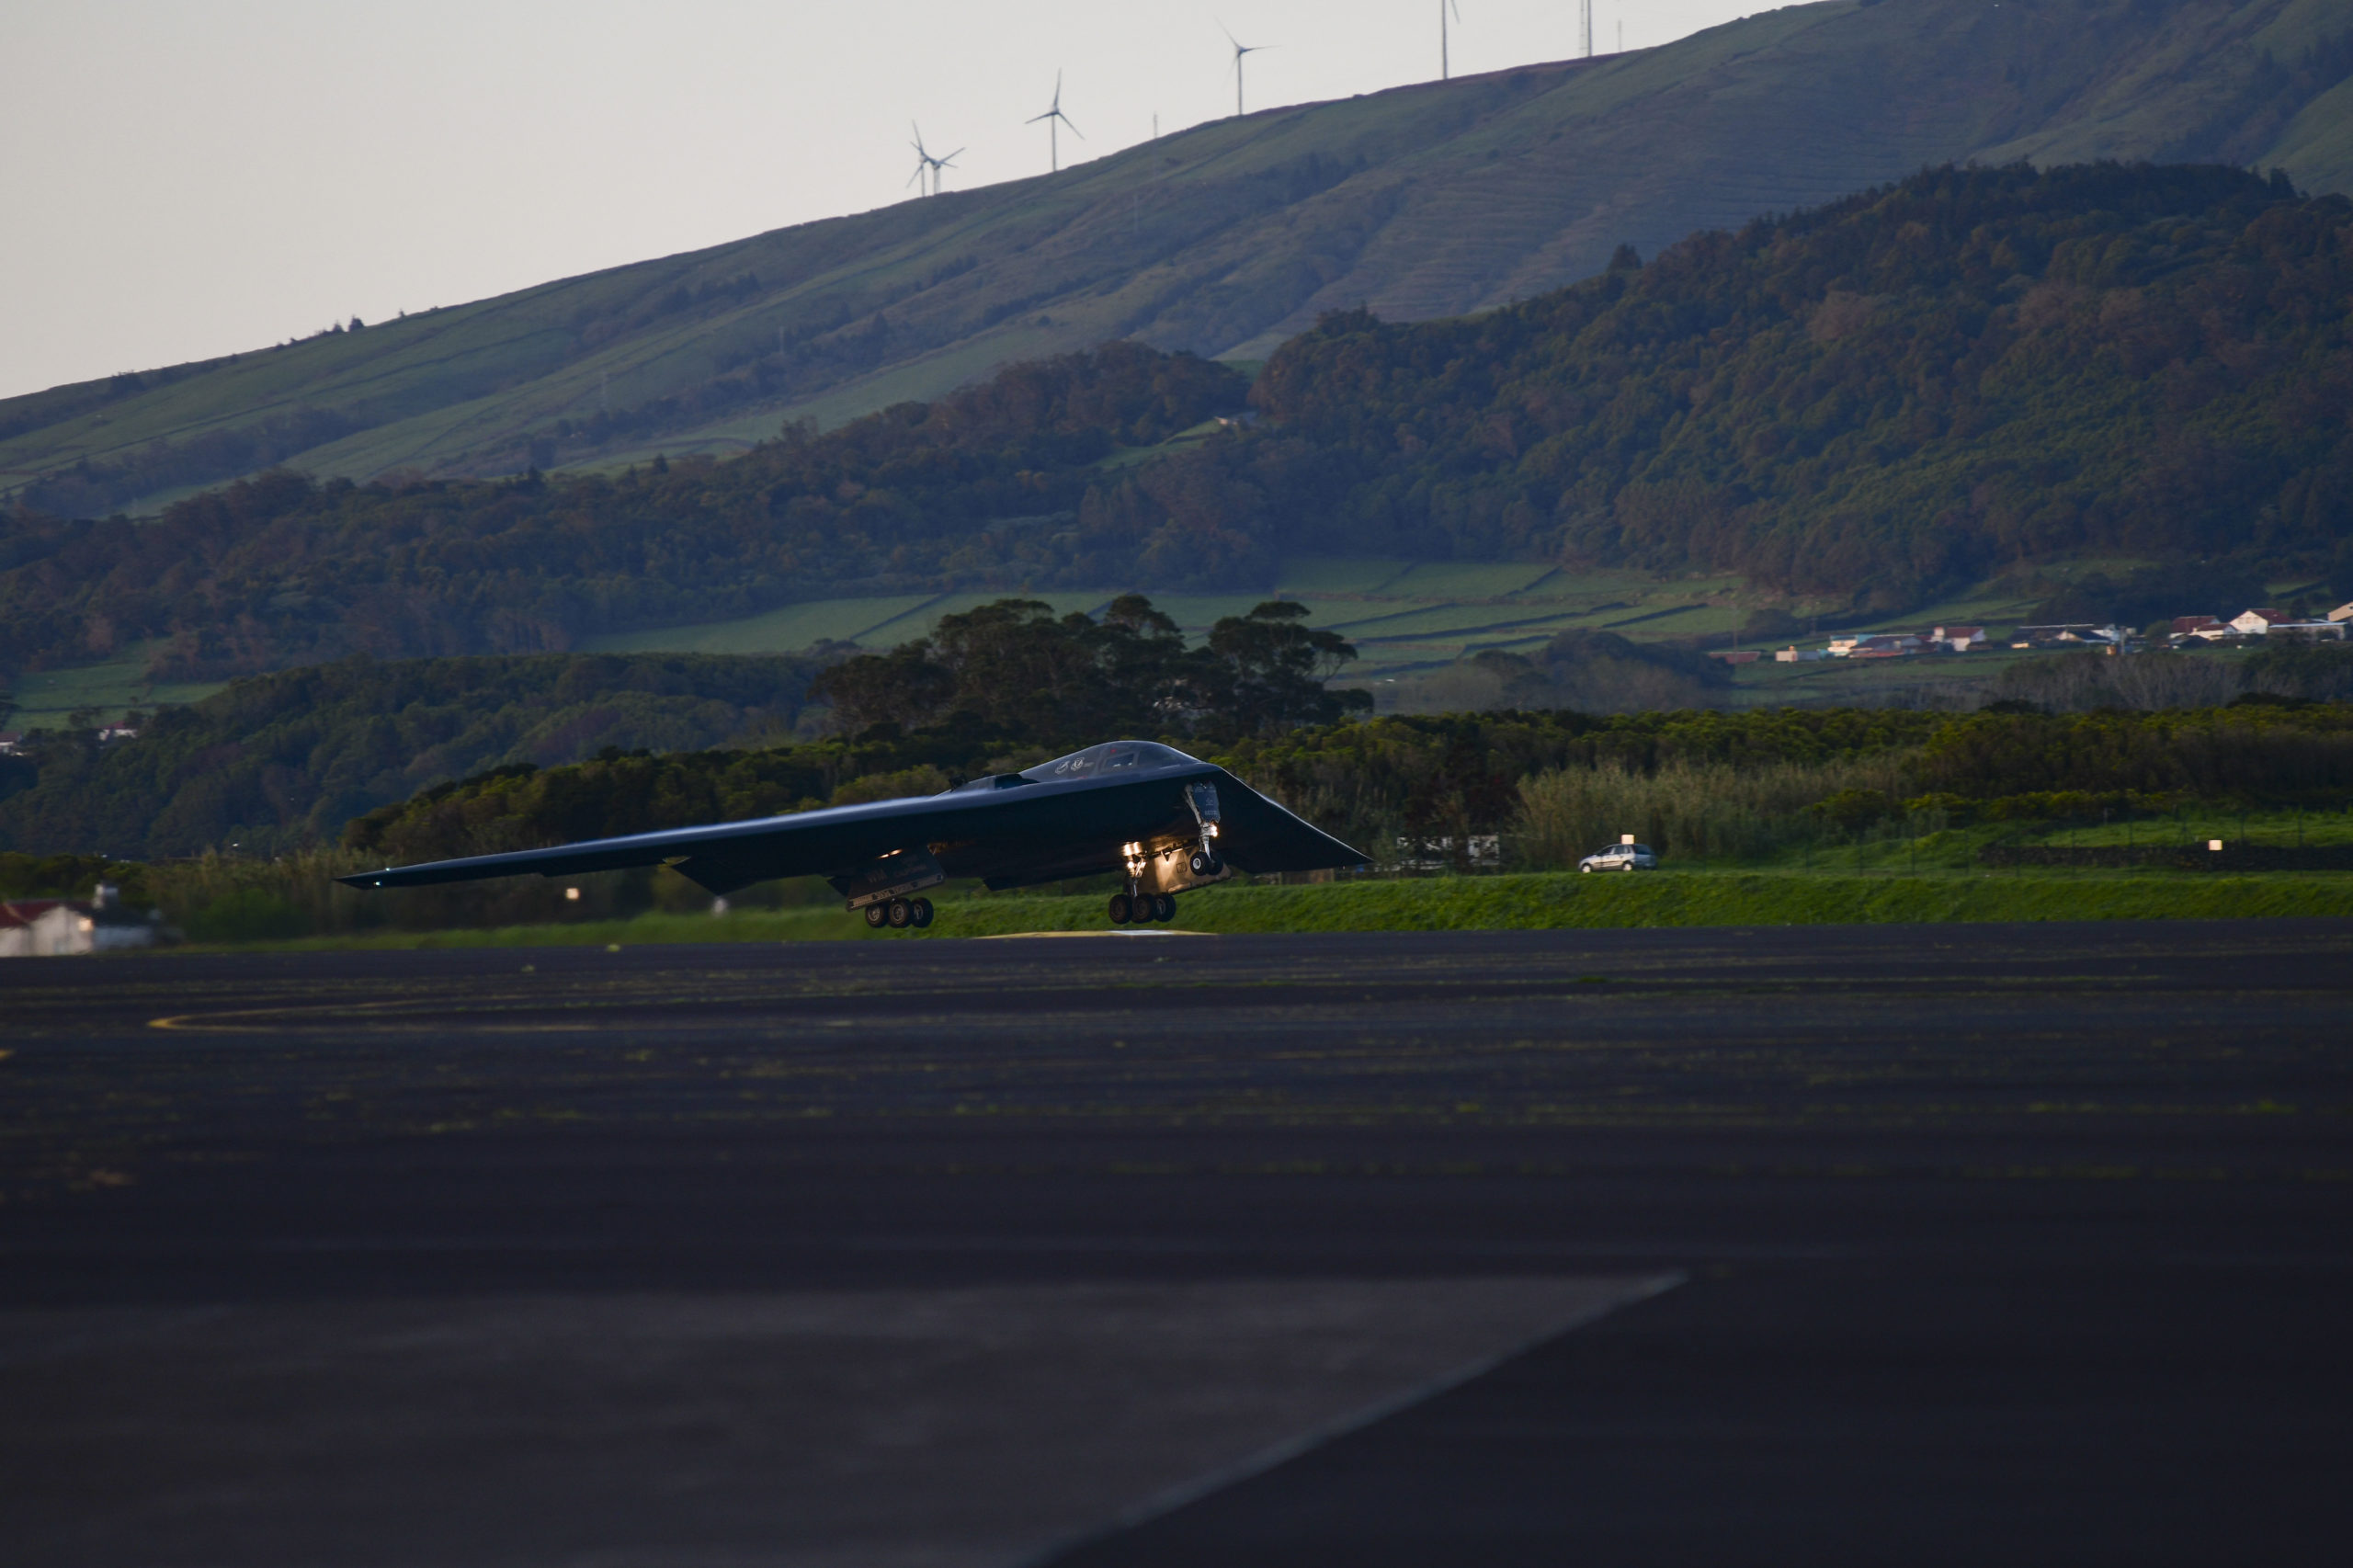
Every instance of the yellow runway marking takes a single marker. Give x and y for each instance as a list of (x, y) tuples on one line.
[(325, 1012)]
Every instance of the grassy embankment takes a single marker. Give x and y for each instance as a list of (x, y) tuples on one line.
[(1536, 901)]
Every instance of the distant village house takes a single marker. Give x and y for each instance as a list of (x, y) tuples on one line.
[(1884, 645), (56, 927)]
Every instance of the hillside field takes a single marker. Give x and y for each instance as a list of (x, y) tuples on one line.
[(1421, 201), (1408, 619), (1405, 618)]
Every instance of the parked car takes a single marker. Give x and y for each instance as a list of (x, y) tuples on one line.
[(1621, 858)]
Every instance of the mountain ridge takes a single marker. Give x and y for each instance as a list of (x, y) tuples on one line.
[(1428, 200)]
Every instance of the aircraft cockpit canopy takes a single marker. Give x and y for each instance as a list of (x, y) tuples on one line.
[(1110, 760)]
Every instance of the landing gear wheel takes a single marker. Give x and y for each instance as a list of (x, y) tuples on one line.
[(876, 914), (902, 914), (1163, 907), (923, 912), (1122, 910), (1206, 864)]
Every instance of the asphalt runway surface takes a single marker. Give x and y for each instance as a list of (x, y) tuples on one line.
[(1951, 1245)]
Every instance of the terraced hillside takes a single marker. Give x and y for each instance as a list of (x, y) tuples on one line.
[(1405, 618), (1422, 201)]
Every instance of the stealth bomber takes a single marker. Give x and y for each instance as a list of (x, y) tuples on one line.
[(1166, 822)]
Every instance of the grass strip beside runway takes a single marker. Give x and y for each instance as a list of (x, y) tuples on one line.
[(1527, 902)]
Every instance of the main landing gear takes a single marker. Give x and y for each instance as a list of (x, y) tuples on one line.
[(1142, 908), (899, 914)]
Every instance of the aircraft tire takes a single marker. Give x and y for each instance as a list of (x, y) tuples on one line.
[(1203, 863), (1163, 907), (902, 914), (1122, 910), (923, 912), (875, 914)]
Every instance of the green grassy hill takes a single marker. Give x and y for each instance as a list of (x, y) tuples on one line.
[(1422, 201)]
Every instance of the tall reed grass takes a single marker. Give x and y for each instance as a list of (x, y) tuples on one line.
[(1692, 811)]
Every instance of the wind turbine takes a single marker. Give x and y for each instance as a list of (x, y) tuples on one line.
[(940, 165), (1443, 7), (1240, 49), (1054, 118), (926, 162), (923, 161)]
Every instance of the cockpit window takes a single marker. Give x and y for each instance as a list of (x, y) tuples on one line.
[(1111, 758)]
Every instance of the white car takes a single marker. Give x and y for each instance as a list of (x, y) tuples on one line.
[(1621, 858)]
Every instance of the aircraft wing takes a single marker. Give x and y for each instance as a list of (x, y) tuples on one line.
[(801, 843), (1012, 829), (1260, 836)]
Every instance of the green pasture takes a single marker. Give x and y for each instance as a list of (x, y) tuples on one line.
[(2268, 829), (47, 698), (779, 630), (1468, 579), (1546, 901), (1340, 576)]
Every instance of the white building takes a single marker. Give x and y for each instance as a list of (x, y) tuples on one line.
[(2256, 622), (1880, 645), (56, 927)]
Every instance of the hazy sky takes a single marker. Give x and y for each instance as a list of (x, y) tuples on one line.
[(181, 178)]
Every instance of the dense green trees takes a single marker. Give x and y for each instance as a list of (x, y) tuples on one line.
[(1011, 669), (1904, 390), (980, 486)]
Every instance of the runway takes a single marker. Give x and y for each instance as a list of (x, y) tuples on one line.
[(1865, 1244)]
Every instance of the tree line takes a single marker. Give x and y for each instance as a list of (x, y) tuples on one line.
[(1453, 776)]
